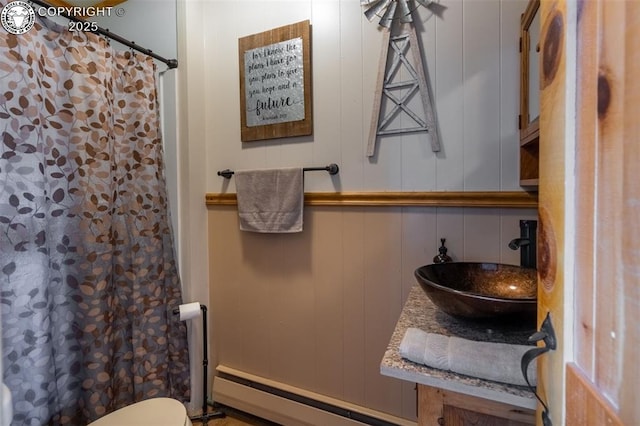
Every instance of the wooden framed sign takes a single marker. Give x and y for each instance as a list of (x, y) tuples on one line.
[(275, 83)]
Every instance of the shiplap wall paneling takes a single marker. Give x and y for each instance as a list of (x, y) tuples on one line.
[(224, 249), (449, 89), (328, 34), (329, 304), (353, 120), (353, 277), (481, 235), (221, 90), (419, 234), (315, 310), (469, 58), (292, 356), (383, 300), (481, 73)]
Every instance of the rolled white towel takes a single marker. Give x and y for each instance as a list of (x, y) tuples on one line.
[(499, 362)]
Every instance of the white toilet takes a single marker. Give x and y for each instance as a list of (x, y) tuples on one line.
[(151, 412)]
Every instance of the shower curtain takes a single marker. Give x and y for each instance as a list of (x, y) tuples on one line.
[(89, 278)]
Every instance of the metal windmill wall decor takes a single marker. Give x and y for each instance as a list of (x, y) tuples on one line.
[(394, 57)]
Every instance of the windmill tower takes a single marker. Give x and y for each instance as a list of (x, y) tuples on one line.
[(400, 52)]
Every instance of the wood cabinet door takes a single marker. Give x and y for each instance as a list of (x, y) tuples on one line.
[(443, 407), (456, 416)]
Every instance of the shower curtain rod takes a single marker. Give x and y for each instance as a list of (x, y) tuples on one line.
[(171, 63)]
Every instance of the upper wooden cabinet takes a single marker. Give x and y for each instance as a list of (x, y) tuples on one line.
[(529, 95)]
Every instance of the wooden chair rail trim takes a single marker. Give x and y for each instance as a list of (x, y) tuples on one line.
[(491, 199)]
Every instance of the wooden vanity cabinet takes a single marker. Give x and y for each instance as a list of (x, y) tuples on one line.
[(529, 122), (442, 407)]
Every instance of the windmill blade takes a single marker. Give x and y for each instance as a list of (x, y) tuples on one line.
[(436, 8), (405, 12), (386, 9), (376, 8), (425, 3), (387, 18)]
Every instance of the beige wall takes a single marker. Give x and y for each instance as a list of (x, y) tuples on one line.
[(316, 309)]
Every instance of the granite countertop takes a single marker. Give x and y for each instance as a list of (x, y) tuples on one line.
[(420, 312)]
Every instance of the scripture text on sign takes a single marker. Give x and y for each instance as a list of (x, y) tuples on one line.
[(274, 83)]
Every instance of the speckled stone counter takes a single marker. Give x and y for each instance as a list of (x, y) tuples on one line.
[(419, 312)]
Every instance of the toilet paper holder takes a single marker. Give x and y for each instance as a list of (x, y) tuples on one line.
[(188, 312)]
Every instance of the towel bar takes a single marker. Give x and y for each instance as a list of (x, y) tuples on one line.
[(332, 168)]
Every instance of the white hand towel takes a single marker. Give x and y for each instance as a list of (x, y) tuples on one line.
[(499, 362), (270, 200)]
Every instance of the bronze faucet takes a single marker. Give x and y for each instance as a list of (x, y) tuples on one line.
[(526, 243)]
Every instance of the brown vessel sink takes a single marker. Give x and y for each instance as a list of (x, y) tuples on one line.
[(480, 290)]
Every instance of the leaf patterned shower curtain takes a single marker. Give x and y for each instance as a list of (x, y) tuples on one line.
[(87, 267)]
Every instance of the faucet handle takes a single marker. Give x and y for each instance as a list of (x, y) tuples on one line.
[(526, 243)]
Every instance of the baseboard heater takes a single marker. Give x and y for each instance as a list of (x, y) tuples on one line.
[(288, 405)]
